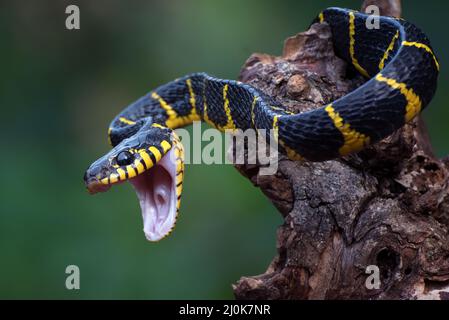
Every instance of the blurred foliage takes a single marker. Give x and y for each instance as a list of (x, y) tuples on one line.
[(59, 90)]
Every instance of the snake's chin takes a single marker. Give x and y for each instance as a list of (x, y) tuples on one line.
[(156, 191)]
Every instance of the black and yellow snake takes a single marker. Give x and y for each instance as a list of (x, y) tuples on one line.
[(397, 59)]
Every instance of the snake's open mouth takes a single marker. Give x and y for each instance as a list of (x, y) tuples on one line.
[(156, 191), (156, 173)]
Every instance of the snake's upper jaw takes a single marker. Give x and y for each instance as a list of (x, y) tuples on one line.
[(157, 193)]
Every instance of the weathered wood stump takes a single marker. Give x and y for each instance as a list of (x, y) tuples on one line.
[(387, 206)]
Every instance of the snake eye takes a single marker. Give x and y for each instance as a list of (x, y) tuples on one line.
[(124, 158)]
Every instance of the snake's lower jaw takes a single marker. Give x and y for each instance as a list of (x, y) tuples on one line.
[(156, 191), (96, 187)]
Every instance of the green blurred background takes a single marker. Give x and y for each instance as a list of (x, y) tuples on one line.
[(59, 91)]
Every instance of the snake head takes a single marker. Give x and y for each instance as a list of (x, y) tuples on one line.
[(152, 160)]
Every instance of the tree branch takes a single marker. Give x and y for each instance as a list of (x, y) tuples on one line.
[(386, 206)]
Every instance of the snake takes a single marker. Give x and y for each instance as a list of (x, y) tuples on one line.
[(400, 70)]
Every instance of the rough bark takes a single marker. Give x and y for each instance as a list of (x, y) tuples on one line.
[(386, 206)]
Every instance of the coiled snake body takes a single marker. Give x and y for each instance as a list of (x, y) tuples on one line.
[(397, 59)]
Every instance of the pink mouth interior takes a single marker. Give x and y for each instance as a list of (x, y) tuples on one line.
[(156, 191)]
